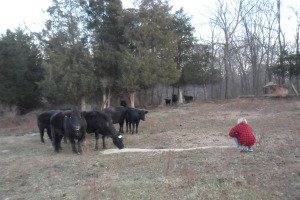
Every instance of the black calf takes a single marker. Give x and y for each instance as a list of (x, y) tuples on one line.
[(68, 124), (174, 99), (43, 122), (188, 99), (117, 115), (168, 101), (100, 123), (123, 103), (133, 117)]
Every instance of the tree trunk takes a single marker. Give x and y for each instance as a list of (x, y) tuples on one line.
[(83, 103), (131, 98), (205, 92), (104, 98), (297, 82), (212, 91), (180, 96), (108, 98), (226, 63)]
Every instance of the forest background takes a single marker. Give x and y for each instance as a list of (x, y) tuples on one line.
[(94, 53)]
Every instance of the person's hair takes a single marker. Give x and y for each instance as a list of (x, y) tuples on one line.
[(241, 119)]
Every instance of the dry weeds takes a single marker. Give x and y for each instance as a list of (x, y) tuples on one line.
[(31, 170)]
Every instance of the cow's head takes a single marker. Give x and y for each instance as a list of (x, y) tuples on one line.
[(118, 140), (73, 121), (142, 114)]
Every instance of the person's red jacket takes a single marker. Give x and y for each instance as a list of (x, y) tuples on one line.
[(244, 134)]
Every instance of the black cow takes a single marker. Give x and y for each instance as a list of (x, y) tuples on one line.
[(99, 122), (168, 101), (68, 124), (117, 115), (123, 103), (43, 122), (188, 99), (174, 99), (133, 117)]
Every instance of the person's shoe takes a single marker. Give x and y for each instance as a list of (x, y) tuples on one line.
[(250, 149), (242, 148)]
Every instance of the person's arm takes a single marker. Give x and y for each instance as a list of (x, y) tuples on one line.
[(234, 131)]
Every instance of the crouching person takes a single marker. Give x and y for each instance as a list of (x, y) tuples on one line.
[(243, 136)]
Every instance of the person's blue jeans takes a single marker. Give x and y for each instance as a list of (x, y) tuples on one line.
[(236, 143), (241, 147)]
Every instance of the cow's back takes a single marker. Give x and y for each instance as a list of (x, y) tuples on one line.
[(117, 114), (44, 117), (56, 120)]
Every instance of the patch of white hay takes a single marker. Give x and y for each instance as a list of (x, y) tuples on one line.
[(132, 150)]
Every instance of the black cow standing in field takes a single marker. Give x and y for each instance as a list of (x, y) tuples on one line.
[(133, 117), (99, 122), (117, 115), (43, 122), (68, 124), (123, 103)]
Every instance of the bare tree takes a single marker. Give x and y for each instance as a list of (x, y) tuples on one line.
[(258, 40), (228, 17), (281, 39), (297, 41)]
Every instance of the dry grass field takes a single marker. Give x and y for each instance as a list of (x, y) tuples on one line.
[(31, 170)]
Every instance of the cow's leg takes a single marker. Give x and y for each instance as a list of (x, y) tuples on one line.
[(55, 141), (96, 142), (65, 135), (79, 147), (48, 133), (136, 127), (65, 139), (80, 141), (127, 127), (121, 127), (103, 141), (129, 124), (59, 143), (42, 135), (72, 141), (79, 144), (132, 130)]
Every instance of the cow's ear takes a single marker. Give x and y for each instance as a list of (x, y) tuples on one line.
[(146, 111)]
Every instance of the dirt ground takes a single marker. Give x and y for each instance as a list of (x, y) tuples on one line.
[(31, 170)]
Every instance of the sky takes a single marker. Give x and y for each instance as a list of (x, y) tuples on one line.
[(32, 14)]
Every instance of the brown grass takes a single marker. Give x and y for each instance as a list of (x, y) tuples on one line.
[(31, 170)]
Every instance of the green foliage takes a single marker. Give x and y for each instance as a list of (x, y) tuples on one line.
[(105, 23), (184, 37), (185, 42), (294, 63), (150, 48), (199, 69), (287, 65), (68, 63), (20, 70)]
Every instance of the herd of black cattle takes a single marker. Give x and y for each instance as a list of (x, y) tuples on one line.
[(73, 125)]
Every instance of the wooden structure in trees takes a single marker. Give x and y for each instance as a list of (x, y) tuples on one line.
[(272, 89)]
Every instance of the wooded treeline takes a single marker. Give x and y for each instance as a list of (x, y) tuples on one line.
[(93, 51)]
